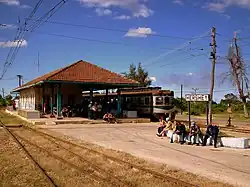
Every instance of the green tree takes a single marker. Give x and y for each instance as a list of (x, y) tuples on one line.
[(138, 74), (2, 101), (8, 100)]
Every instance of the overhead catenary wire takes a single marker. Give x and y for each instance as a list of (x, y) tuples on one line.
[(116, 30), (154, 60), (19, 39), (106, 41), (33, 27)]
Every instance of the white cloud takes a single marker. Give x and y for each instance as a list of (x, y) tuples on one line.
[(10, 2), (190, 74), (103, 12), (153, 79), (179, 2), (136, 7), (14, 3), (23, 43), (217, 7), (123, 17), (7, 26), (141, 32), (221, 5), (226, 16)]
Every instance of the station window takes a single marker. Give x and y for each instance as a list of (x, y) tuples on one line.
[(159, 100), (147, 101), (167, 100)]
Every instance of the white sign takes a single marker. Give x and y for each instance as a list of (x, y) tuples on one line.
[(197, 97)]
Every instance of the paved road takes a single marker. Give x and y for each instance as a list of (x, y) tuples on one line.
[(224, 164)]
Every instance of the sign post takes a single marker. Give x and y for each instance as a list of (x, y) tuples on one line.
[(198, 98)]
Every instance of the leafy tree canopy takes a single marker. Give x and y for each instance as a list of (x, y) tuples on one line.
[(138, 74)]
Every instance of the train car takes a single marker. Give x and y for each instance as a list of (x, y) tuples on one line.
[(147, 101)]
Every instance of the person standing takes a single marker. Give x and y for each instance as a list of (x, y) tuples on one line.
[(90, 112), (94, 110), (99, 110)]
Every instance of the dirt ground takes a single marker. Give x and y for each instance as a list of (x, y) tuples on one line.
[(17, 170), (221, 164)]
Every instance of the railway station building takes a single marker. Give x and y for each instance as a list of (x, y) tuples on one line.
[(66, 85)]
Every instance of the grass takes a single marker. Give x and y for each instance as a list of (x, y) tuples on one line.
[(223, 116), (17, 170), (9, 119)]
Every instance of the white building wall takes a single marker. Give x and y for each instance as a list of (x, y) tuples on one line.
[(27, 99)]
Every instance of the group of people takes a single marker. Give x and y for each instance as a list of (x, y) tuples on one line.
[(109, 118), (95, 110), (193, 134)]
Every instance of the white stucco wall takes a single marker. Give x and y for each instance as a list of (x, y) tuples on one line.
[(27, 99)]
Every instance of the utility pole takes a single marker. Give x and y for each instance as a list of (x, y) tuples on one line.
[(195, 90), (3, 92), (38, 62), (181, 97), (213, 55)]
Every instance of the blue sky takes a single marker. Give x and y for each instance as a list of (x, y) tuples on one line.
[(147, 31)]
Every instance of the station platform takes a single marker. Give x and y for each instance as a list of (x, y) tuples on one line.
[(75, 120)]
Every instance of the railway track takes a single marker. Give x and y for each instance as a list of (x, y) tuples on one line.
[(36, 164), (110, 180), (233, 129), (23, 143), (154, 173)]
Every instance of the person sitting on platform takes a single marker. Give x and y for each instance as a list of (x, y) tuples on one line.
[(165, 126), (109, 118), (106, 117), (112, 118), (194, 133), (212, 131), (180, 130), (64, 111)]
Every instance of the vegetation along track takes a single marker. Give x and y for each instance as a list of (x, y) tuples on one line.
[(156, 174), (87, 172), (233, 129), (50, 180)]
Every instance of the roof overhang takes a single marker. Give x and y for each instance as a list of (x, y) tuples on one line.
[(111, 85), (94, 84), (25, 87)]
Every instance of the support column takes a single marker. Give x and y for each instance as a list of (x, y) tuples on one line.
[(51, 101), (59, 101), (91, 94), (43, 109), (90, 112), (118, 113)]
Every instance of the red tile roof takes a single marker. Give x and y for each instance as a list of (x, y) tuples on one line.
[(82, 72)]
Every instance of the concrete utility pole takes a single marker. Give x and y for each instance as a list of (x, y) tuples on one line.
[(181, 97), (213, 55), (195, 90), (3, 92)]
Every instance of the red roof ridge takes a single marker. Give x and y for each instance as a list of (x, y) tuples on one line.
[(108, 70), (63, 69), (59, 75)]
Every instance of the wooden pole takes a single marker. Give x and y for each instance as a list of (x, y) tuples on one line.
[(181, 97), (213, 54), (189, 115)]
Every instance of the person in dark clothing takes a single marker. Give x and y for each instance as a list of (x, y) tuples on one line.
[(212, 131), (180, 130)]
